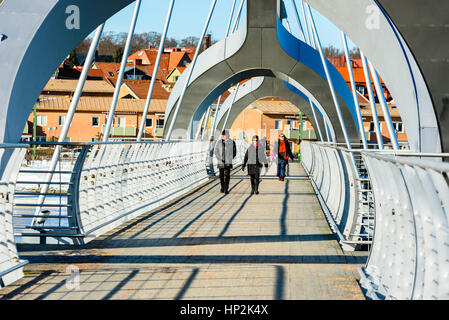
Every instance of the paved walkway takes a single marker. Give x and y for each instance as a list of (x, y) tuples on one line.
[(207, 245)]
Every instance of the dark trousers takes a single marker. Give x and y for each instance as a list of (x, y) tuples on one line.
[(281, 168), (255, 179), (225, 176)]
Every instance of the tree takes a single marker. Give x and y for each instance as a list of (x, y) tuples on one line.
[(118, 55), (171, 43), (84, 46), (355, 53), (332, 52), (154, 39), (71, 60), (189, 42)]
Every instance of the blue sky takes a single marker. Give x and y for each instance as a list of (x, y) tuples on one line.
[(189, 17)]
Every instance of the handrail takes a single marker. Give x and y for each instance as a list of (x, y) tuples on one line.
[(8, 176), (433, 165), (82, 144), (14, 268), (404, 153), (145, 173), (14, 145), (338, 194)]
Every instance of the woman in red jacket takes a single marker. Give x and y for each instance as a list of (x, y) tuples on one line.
[(284, 153)]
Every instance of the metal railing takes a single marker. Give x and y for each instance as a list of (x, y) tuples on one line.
[(410, 254), (11, 268), (342, 186), (407, 194), (108, 184)]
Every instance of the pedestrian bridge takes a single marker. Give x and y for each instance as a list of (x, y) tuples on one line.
[(144, 219), (206, 245)]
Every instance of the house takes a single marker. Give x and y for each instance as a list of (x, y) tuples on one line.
[(90, 119), (174, 75), (268, 118), (138, 89), (67, 87)]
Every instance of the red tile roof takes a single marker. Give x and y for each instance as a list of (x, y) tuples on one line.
[(110, 70), (175, 59), (141, 87)]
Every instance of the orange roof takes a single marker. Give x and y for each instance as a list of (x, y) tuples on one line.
[(362, 100), (95, 73), (148, 56), (276, 107), (110, 70), (359, 76), (69, 85), (175, 59), (88, 104), (170, 59), (141, 87)]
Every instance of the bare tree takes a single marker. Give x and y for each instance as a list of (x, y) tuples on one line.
[(189, 42), (111, 42), (332, 52), (355, 53), (171, 43), (84, 46)]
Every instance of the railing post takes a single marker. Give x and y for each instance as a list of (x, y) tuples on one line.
[(73, 199)]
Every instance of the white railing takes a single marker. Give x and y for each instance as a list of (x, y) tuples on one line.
[(111, 183), (120, 181), (342, 187), (410, 254), (409, 258), (11, 268)]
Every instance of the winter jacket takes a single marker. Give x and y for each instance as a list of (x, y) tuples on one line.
[(255, 158), (288, 149), (225, 152)]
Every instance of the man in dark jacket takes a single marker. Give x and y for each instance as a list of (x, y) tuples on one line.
[(283, 153), (255, 157), (225, 152)]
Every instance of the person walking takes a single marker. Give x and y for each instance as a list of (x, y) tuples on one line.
[(225, 152), (255, 158), (283, 153)]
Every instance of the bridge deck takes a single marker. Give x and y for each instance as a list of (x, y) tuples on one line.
[(207, 245)]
